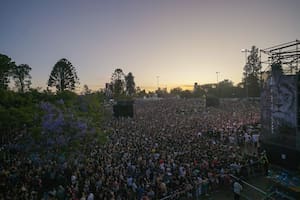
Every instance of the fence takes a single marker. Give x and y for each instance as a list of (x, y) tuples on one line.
[(251, 192)]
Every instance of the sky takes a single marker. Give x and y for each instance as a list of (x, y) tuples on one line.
[(165, 43)]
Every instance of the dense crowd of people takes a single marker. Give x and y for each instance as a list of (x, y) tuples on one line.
[(170, 147)]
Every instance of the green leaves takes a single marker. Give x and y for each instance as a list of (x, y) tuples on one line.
[(252, 73), (130, 84), (21, 75), (63, 76), (118, 82), (6, 66), (122, 86)]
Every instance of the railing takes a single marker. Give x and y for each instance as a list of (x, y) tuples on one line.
[(255, 171), (249, 189), (176, 194)]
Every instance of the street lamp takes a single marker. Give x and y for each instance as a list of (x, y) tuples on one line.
[(217, 76), (246, 84), (218, 88)]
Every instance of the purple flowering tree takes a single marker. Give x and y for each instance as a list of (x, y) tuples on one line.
[(61, 126)]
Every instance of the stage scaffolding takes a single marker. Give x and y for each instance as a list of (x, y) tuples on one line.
[(286, 54), (279, 74)]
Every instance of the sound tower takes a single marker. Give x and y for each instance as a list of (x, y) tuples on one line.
[(280, 119), (298, 113), (123, 109)]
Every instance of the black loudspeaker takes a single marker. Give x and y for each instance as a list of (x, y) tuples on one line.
[(123, 109), (212, 101), (282, 155)]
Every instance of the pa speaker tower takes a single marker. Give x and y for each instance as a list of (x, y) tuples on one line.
[(123, 109)]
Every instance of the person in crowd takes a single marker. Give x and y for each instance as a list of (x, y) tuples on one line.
[(170, 147), (237, 188)]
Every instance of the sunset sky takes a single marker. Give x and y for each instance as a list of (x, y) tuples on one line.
[(181, 41)]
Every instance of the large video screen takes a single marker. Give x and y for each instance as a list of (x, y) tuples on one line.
[(278, 109)]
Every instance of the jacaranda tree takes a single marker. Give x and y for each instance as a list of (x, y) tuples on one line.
[(63, 76)]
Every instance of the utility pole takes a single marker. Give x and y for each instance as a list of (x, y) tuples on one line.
[(217, 77), (218, 88)]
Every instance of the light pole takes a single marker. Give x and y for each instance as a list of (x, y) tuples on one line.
[(218, 88), (157, 81), (246, 75), (217, 77)]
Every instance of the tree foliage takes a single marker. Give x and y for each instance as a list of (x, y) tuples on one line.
[(253, 65), (118, 82), (6, 65), (22, 77), (161, 92), (130, 84), (140, 92), (226, 88), (198, 91), (86, 90), (186, 94), (176, 91), (45, 121), (252, 73), (63, 76)]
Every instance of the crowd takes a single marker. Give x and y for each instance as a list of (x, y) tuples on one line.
[(170, 147)]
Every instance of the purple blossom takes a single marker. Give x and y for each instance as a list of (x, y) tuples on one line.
[(50, 142), (52, 122), (82, 126), (47, 107), (61, 140), (61, 102), (60, 125)]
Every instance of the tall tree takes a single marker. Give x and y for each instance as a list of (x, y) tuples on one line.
[(176, 91), (226, 89), (140, 92), (252, 73), (63, 76), (6, 65), (118, 82), (86, 90), (198, 91), (130, 84), (21, 76), (161, 92)]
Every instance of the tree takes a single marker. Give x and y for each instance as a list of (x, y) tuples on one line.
[(210, 89), (118, 82), (140, 92), (186, 94), (161, 92), (226, 88), (21, 75), (130, 84), (198, 91), (252, 73), (63, 76), (176, 91), (6, 65), (86, 90), (253, 84)]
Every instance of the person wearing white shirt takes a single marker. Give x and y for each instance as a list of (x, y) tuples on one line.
[(237, 188)]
